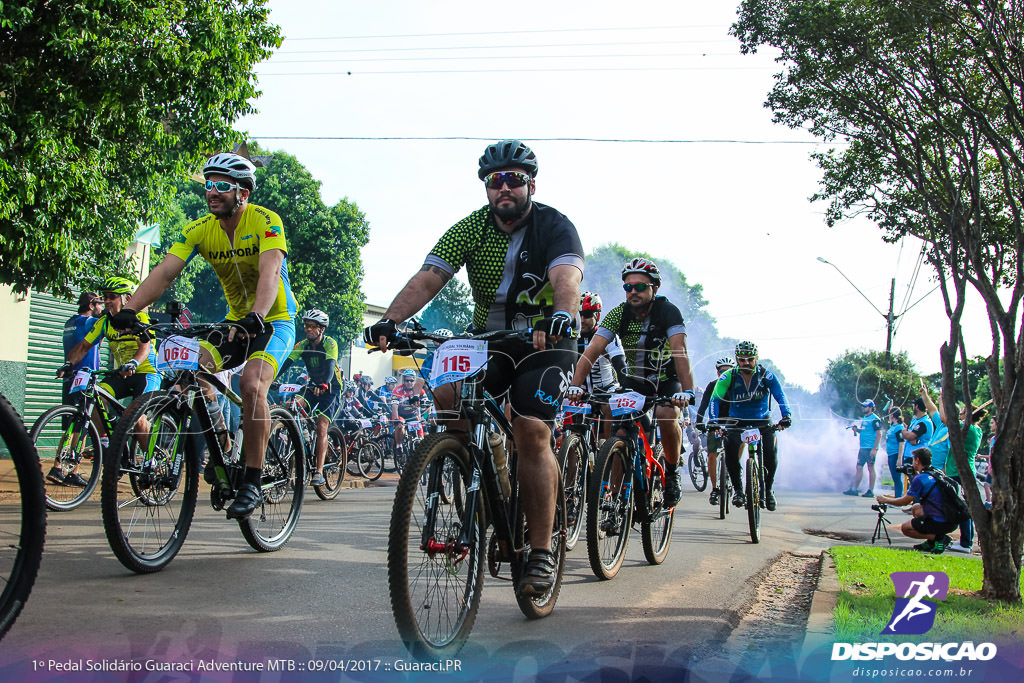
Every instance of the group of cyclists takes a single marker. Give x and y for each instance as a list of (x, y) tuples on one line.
[(525, 265)]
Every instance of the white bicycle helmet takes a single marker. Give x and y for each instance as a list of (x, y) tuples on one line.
[(444, 332), (725, 362), (644, 267), (232, 165), (317, 316)]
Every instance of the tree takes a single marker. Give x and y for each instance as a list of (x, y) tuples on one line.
[(927, 98), (452, 308), (855, 376), (103, 103), (324, 243), (977, 371)]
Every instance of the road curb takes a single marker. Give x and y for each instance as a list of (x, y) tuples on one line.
[(819, 622)]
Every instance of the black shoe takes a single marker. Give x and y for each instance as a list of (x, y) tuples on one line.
[(610, 527), (941, 544), (55, 475), (75, 479), (926, 547), (770, 502), (539, 573), (714, 496), (672, 491), (738, 499), (248, 499)]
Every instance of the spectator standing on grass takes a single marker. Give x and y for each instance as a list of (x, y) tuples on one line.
[(939, 444), (871, 432), (972, 442), (919, 433), (894, 445)]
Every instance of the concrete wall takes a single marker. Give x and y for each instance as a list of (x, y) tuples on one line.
[(14, 310)]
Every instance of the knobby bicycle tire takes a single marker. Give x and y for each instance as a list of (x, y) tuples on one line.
[(698, 467), (334, 465), (753, 501), (723, 486), (283, 486), (21, 540), (657, 534), (148, 496), (370, 458), (434, 595), (610, 508), (540, 606), (573, 462), (61, 451)]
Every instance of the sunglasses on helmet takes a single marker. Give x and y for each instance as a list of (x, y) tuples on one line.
[(513, 179), (639, 286)]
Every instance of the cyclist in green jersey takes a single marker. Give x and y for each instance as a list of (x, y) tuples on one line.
[(245, 245), (524, 261), (654, 340)]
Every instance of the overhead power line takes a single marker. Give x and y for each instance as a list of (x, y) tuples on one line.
[(516, 70), (507, 33), (255, 136), (482, 57)]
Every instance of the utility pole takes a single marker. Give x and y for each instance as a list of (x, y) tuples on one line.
[(888, 324)]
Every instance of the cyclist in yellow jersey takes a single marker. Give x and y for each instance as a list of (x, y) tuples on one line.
[(245, 245)]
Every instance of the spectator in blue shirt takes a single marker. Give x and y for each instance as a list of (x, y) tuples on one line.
[(90, 308), (894, 445), (871, 432)]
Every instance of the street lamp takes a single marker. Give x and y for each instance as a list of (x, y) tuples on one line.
[(888, 318)]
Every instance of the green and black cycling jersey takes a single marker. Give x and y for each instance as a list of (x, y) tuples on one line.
[(645, 340), (508, 273), (321, 362)]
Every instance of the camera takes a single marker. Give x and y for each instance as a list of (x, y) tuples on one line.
[(881, 507), (907, 469)]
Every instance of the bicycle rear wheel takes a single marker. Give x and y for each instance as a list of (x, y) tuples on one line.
[(370, 458), (70, 452), (283, 485), (610, 508), (147, 516), (434, 580), (698, 467), (573, 463), (334, 466), (540, 606), (657, 534), (723, 486), (22, 533), (753, 501)]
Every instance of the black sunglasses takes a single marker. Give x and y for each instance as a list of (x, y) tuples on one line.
[(640, 287), (588, 314), (513, 179)]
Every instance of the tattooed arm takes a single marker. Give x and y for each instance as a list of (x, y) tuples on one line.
[(418, 292)]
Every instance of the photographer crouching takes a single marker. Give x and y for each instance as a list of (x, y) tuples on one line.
[(928, 522)]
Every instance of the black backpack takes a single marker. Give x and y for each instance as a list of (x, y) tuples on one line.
[(954, 507)]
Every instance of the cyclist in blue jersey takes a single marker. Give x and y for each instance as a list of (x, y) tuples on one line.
[(745, 393)]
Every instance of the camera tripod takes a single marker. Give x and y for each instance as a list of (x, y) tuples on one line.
[(880, 525)]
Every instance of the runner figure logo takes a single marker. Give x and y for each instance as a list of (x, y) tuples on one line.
[(913, 613)]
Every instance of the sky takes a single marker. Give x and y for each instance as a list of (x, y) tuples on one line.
[(723, 193)]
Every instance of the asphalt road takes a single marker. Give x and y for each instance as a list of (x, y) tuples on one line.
[(323, 597)]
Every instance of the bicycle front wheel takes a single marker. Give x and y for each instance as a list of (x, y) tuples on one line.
[(21, 533), (657, 533), (610, 508), (723, 486), (334, 465), (370, 458), (283, 485), (435, 557), (573, 463), (753, 501), (147, 515), (698, 467), (70, 452), (539, 606)]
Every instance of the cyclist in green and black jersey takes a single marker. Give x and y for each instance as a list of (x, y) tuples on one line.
[(525, 264), (319, 353), (654, 339)]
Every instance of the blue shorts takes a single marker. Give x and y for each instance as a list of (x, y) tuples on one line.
[(273, 346)]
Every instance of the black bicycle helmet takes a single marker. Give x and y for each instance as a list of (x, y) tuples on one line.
[(506, 154)]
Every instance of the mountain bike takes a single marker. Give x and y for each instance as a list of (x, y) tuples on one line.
[(161, 435), (436, 549), (724, 485), (69, 442), (629, 485), (576, 462), (334, 457), (754, 483), (697, 465), (23, 531)]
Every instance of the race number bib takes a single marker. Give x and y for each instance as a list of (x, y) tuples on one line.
[(178, 353), (751, 436), (457, 359), (624, 404), (412, 425), (570, 408), (80, 381), (365, 424), (286, 390)]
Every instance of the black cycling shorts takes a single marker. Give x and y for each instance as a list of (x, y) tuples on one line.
[(325, 404), (532, 381)]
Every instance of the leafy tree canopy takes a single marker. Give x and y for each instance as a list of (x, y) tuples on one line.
[(858, 375), (452, 308), (102, 104), (324, 244)]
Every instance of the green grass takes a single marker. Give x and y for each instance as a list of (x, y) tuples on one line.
[(866, 596)]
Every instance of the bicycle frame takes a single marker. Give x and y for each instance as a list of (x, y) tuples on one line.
[(645, 466)]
